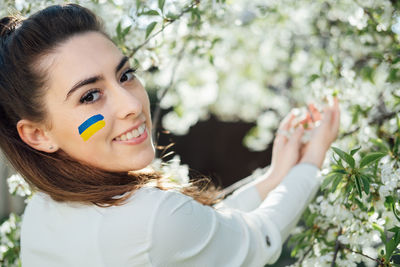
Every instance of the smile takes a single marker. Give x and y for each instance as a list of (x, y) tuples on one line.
[(134, 134)]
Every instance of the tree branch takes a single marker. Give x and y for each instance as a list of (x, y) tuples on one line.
[(157, 111), (187, 9), (337, 247), (377, 260), (304, 256), (377, 120)]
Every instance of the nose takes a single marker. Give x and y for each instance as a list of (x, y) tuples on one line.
[(126, 102)]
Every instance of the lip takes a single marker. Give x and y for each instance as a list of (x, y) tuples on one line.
[(130, 129)]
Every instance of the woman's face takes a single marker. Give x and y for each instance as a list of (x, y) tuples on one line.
[(99, 111)]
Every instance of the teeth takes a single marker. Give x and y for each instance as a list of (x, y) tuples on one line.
[(141, 128), (133, 134)]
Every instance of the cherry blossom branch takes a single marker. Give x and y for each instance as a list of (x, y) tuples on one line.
[(379, 119), (170, 21), (337, 247), (157, 111), (304, 256), (360, 253)]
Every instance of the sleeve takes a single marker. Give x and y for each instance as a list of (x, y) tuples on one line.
[(187, 233), (245, 198), (287, 202)]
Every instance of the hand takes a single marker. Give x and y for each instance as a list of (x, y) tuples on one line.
[(322, 135), (286, 149)]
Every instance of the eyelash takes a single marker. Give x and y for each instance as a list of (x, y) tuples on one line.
[(91, 91)]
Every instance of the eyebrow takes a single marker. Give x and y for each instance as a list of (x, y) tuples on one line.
[(96, 78)]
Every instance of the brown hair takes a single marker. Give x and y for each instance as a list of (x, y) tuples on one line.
[(22, 44)]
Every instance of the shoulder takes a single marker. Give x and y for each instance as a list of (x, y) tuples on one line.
[(127, 230), (143, 207)]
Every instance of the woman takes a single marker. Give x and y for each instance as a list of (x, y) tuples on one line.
[(76, 125)]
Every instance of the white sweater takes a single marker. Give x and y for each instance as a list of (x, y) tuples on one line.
[(167, 228)]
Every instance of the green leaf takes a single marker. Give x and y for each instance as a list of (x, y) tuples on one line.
[(358, 185), (340, 171), (161, 4), (380, 230), (211, 59), (391, 245), (360, 204), (150, 28), (365, 180), (312, 78), (151, 12), (367, 73), (396, 144), (338, 162), (346, 157), (354, 151), (394, 229), (347, 190), (126, 30), (389, 200), (395, 212), (336, 182), (138, 4), (371, 157), (172, 16), (119, 29), (381, 144), (328, 180), (310, 219)]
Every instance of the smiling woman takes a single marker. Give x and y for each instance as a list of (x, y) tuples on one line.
[(88, 119), (75, 123)]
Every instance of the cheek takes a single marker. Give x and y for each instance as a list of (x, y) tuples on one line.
[(145, 101), (91, 126), (79, 134)]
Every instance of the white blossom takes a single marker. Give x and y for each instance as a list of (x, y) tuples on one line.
[(18, 186)]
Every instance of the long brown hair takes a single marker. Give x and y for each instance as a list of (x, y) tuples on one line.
[(23, 42)]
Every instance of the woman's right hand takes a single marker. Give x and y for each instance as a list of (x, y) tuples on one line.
[(322, 135)]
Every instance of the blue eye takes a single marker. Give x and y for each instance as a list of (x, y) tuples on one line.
[(90, 96)]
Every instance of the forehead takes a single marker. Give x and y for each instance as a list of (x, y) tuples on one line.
[(79, 57)]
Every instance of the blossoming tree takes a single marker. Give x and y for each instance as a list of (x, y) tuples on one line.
[(253, 61)]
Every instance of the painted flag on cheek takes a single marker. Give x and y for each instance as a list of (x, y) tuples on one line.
[(91, 126)]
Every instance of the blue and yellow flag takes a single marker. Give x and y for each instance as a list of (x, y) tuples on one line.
[(91, 126)]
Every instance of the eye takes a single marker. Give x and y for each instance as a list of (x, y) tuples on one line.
[(129, 74), (90, 97)]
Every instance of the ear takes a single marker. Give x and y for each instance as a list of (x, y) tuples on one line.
[(36, 136)]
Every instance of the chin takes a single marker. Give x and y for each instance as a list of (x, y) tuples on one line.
[(143, 161)]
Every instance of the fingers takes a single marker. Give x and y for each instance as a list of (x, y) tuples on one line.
[(316, 115), (285, 125), (295, 138), (327, 116), (287, 121), (336, 117), (331, 121), (307, 121), (281, 139)]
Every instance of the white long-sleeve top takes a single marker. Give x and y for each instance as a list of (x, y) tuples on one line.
[(167, 228)]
